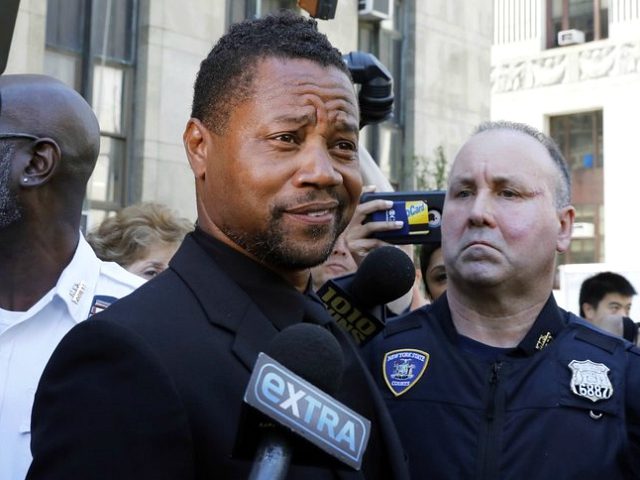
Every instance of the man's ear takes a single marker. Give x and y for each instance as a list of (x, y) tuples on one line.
[(45, 157), (589, 311), (566, 215), (196, 138)]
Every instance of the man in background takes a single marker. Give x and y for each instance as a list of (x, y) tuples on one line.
[(50, 279), (494, 380), (605, 301), (153, 388)]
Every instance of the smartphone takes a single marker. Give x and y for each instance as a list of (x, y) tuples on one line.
[(421, 213)]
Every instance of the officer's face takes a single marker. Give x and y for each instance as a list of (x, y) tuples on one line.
[(283, 180), (501, 227)]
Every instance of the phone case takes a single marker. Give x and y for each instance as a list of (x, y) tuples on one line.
[(421, 213)]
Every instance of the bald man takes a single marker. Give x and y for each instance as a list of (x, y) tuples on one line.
[(494, 380), (51, 279)]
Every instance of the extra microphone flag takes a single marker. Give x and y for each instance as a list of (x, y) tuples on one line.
[(311, 413)]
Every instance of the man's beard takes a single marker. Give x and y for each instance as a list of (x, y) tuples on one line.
[(271, 247), (10, 208)]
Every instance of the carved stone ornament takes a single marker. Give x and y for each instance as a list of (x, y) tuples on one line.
[(586, 63)]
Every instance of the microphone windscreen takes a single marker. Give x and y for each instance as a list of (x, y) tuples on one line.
[(311, 352), (384, 275)]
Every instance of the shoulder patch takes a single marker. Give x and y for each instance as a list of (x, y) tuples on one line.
[(403, 368), (99, 303)]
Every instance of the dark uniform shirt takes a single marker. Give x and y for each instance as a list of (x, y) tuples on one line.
[(564, 403)]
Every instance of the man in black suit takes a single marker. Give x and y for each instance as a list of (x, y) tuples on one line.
[(152, 388)]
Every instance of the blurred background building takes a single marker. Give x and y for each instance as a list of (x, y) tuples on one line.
[(135, 61), (572, 69), (568, 67)]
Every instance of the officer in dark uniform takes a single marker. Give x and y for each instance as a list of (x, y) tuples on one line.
[(494, 380)]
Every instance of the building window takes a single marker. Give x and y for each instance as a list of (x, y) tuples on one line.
[(90, 45), (238, 10), (579, 136), (591, 17), (386, 40)]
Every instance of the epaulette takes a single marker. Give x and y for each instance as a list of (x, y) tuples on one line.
[(597, 338), (402, 324), (633, 348)]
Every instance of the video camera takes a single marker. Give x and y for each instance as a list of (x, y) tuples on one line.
[(376, 87)]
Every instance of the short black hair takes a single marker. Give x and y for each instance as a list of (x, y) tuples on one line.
[(594, 288), (226, 76), (563, 193)]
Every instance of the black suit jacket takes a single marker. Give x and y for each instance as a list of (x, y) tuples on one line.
[(152, 388)]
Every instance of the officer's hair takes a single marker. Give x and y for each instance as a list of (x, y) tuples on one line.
[(563, 190), (594, 288), (226, 76)]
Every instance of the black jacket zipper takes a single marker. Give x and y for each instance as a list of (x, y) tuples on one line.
[(489, 444)]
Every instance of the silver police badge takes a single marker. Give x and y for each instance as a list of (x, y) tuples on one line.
[(590, 380)]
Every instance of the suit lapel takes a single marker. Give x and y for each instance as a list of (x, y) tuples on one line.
[(253, 336), (229, 307), (233, 310)]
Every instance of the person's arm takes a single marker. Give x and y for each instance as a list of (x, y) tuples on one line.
[(105, 409)]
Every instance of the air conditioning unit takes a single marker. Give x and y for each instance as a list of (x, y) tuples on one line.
[(570, 37), (583, 230), (375, 9)]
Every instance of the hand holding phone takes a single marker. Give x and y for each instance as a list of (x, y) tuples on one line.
[(420, 212)]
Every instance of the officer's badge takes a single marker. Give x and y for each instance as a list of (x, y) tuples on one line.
[(590, 380), (403, 368)]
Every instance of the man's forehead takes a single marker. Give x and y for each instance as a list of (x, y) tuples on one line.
[(304, 86), (614, 297), (303, 73), (503, 153)]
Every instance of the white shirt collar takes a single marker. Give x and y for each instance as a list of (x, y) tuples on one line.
[(78, 281)]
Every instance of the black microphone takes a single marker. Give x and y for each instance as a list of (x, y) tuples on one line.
[(8, 15), (357, 301), (292, 384)]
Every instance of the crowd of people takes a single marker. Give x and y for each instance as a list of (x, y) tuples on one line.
[(479, 374)]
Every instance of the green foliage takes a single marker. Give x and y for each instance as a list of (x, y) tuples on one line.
[(431, 173)]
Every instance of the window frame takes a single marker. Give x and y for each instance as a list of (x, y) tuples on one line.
[(89, 58), (598, 34), (585, 211)]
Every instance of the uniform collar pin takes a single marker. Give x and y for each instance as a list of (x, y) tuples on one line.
[(543, 340), (76, 292)]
